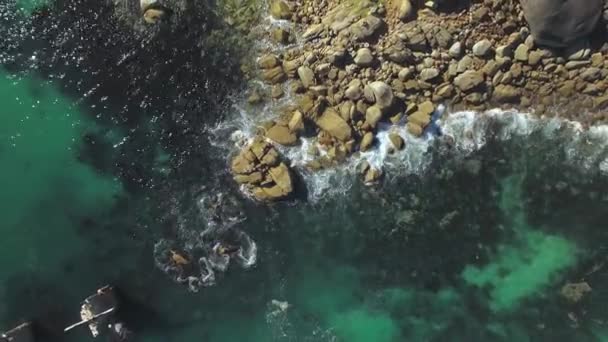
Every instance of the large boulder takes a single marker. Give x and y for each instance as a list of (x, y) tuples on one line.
[(557, 23), (334, 124), (258, 168)]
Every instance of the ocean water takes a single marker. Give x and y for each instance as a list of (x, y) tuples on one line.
[(470, 236)]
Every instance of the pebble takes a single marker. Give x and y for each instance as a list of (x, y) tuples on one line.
[(482, 48), (456, 50), (364, 57)]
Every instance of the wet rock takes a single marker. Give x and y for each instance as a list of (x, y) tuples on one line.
[(482, 48), (372, 176), (296, 123), (274, 75), (468, 80), (331, 122), (280, 36), (154, 15), (268, 61), (364, 57), (414, 129), (277, 91), (281, 135), (367, 141), (558, 23), (506, 94), (258, 168), (307, 76), (396, 140), (279, 9), (366, 28)]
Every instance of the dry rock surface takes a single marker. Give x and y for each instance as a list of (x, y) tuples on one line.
[(361, 63)]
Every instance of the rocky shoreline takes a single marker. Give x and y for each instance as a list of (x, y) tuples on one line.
[(360, 63)]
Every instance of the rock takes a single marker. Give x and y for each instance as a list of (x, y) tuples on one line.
[(331, 122), (456, 50), (468, 80), (372, 176), (354, 91), (504, 51), (373, 115), (534, 57), (281, 135), (481, 14), (600, 102), (521, 53), (366, 27), (405, 10), (396, 140), (364, 57), (558, 23), (574, 292), (506, 94), (482, 48), (414, 129), (429, 74), (274, 75), (591, 74), (154, 15), (383, 94), (280, 36), (445, 91), (279, 9), (405, 74), (145, 4), (464, 64), (313, 31), (399, 54), (257, 166), (277, 91), (367, 141), (573, 65), (268, 61), (443, 38), (578, 50), (597, 60), (419, 118), (296, 123), (307, 76)]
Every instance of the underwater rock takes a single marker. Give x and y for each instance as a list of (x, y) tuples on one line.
[(574, 292)]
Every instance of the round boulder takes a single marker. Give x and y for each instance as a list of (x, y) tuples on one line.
[(557, 23)]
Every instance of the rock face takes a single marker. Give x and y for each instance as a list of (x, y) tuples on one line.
[(558, 23), (260, 170)]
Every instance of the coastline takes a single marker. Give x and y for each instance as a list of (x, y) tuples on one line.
[(338, 74)]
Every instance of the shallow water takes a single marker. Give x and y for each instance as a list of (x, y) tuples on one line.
[(469, 237)]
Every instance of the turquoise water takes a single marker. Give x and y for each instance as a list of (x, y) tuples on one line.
[(452, 254)]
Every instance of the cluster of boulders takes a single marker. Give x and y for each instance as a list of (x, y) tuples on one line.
[(362, 63), (259, 169)]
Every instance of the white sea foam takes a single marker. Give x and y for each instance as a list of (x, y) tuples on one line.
[(466, 132)]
